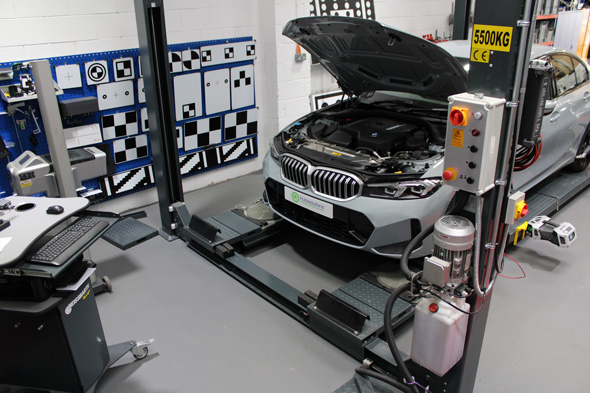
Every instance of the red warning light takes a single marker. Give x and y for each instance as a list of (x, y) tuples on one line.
[(433, 307)]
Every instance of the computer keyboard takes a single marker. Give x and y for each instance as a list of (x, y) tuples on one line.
[(69, 241)]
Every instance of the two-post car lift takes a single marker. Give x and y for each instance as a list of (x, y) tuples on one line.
[(352, 316)]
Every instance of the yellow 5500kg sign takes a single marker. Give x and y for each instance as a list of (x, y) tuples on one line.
[(487, 38)]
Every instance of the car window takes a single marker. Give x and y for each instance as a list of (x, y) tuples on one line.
[(565, 76), (581, 72)]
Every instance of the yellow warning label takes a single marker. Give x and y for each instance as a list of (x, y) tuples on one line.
[(491, 38), (480, 55), (26, 183), (457, 140)]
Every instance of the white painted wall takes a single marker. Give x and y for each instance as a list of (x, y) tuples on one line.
[(40, 28), (35, 29), (418, 17)]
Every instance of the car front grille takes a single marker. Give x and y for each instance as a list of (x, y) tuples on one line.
[(334, 184), (294, 170), (347, 225), (331, 183)]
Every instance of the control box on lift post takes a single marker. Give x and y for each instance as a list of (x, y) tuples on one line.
[(472, 140)]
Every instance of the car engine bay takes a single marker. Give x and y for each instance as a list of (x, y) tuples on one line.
[(370, 139)]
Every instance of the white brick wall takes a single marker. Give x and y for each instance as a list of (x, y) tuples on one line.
[(419, 17), (42, 28)]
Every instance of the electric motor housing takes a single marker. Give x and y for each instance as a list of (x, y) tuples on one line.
[(453, 241)]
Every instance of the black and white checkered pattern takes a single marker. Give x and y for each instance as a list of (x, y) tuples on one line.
[(229, 52), (209, 158), (179, 138), (202, 133), (142, 177), (191, 60), (241, 124), (128, 181), (243, 80), (123, 69), (206, 56), (250, 50), (175, 61), (130, 149), (358, 9), (189, 110), (144, 120), (119, 125)]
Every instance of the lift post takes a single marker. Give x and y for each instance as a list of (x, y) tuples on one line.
[(503, 75), (153, 48)]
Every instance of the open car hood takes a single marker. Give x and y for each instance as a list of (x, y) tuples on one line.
[(364, 55)]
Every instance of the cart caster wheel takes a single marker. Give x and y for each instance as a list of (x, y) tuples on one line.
[(142, 354), (107, 284)]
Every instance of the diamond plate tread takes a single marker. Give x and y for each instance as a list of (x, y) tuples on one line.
[(376, 318), (129, 232), (380, 348), (362, 384), (364, 291), (226, 233), (237, 223), (566, 184)]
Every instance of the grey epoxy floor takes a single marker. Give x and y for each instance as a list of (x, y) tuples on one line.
[(214, 335)]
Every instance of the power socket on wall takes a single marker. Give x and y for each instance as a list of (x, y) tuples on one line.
[(299, 57)]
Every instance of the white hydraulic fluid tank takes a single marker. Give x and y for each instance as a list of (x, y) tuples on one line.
[(439, 334)]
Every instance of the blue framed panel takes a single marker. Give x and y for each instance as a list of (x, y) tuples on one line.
[(221, 76)]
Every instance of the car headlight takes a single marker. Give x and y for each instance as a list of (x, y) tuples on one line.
[(274, 153), (409, 189)]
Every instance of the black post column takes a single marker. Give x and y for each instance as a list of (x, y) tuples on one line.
[(153, 47)]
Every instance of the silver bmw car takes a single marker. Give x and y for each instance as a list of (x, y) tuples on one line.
[(367, 171)]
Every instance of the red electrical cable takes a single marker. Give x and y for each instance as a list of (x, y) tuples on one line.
[(523, 158), (521, 269)]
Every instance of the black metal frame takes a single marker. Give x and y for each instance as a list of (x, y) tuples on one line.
[(153, 48)]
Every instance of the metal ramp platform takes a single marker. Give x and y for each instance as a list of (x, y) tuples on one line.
[(327, 314)]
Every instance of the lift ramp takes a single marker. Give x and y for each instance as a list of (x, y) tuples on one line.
[(351, 317)]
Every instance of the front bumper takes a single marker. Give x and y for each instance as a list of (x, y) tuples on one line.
[(380, 226)]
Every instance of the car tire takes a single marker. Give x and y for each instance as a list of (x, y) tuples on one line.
[(457, 202), (580, 164)]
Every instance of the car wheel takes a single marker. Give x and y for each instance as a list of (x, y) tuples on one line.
[(580, 164), (457, 202)]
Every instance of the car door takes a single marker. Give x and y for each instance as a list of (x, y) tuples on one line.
[(562, 127)]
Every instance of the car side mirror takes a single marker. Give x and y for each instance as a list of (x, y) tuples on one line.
[(549, 107)]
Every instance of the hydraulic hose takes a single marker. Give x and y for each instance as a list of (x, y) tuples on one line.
[(384, 378), (390, 338), (404, 261)]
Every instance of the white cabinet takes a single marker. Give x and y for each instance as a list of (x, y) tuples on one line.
[(572, 32)]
